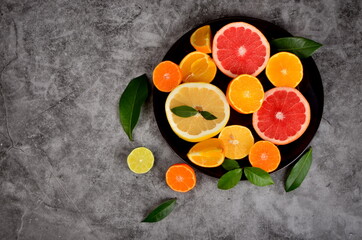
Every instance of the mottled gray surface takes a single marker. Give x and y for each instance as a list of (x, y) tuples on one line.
[(63, 173)]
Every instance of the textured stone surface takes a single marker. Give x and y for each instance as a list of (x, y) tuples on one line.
[(63, 173)]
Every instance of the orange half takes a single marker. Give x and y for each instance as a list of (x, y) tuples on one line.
[(265, 155), (237, 141), (181, 177), (284, 69), (245, 94)]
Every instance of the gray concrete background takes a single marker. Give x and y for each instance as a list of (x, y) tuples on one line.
[(63, 172)]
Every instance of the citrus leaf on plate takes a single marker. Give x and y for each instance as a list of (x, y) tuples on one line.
[(162, 211), (258, 176), (299, 171), (230, 179), (184, 111), (230, 164), (302, 47), (131, 102), (207, 115)]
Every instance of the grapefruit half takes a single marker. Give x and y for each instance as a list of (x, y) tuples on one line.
[(283, 117), (240, 48)]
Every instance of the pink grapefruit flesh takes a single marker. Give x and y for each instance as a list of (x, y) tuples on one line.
[(240, 48), (283, 117)]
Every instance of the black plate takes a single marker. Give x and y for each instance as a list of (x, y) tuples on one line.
[(311, 87)]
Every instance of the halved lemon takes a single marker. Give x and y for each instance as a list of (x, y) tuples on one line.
[(202, 97)]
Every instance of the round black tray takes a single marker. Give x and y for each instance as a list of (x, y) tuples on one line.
[(311, 87)]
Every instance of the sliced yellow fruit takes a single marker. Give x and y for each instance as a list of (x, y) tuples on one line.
[(208, 153), (237, 141), (201, 39), (198, 67), (140, 160), (203, 97)]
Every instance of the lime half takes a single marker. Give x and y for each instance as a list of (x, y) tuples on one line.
[(140, 160)]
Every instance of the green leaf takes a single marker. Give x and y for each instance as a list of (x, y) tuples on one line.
[(207, 115), (230, 179), (131, 102), (184, 111), (299, 171), (258, 176), (302, 47), (162, 211), (229, 164)]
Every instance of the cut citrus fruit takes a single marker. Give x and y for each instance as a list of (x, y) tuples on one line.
[(166, 76), (198, 67), (237, 141), (264, 155), (201, 39), (140, 160), (203, 97), (181, 177), (240, 48), (245, 94), (283, 117), (284, 69), (208, 153)]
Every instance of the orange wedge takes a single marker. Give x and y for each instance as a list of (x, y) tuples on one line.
[(203, 97), (284, 69), (208, 153), (201, 39), (245, 94), (237, 141), (198, 67)]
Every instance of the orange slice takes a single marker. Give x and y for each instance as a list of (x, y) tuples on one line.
[(201, 96), (201, 39), (181, 177), (208, 153), (245, 94), (166, 76), (198, 67), (237, 141), (264, 155), (284, 69)]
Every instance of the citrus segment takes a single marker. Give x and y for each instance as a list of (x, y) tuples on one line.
[(201, 39), (203, 97), (237, 141), (245, 94), (166, 76), (140, 160), (283, 117), (181, 177), (198, 67), (240, 48), (265, 155), (284, 69), (208, 153)]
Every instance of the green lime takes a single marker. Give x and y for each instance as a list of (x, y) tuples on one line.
[(140, 160)]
